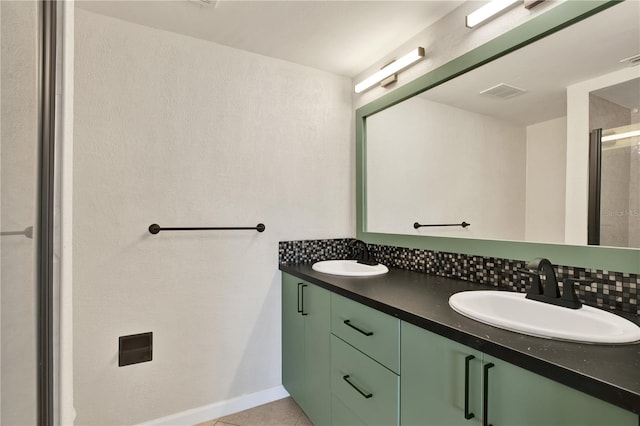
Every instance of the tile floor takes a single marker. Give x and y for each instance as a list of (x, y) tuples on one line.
[(283, 412)]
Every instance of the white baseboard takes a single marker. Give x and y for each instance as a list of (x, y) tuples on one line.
[(220, 409)]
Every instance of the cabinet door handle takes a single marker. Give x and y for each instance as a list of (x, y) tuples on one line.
[(467, 414), (366, 333), (367, 395), (485, 394), (302, 298), (299, 309)]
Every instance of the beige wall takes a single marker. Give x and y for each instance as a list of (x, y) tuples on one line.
[(18, 180), (183, 132)]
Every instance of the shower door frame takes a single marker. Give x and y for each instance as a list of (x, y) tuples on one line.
[(595, 186), (47, 29)]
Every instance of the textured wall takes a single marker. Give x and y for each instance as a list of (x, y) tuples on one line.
[(183, 132), (18, 179), (604, 114), (615, 196), (634, 199)]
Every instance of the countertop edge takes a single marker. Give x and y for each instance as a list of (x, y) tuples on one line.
[(600, 389)]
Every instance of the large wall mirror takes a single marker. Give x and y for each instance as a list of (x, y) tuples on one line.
[(499, 139)]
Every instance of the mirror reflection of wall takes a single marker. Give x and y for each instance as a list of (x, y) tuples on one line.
[(484, 149), (506, 178), (478, 149), (615, 109)]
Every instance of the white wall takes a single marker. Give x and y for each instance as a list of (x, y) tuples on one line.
[(18, 170), (546, 169), (436, 164), (63, 216), (183, 132)]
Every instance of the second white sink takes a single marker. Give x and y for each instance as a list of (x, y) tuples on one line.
[(512, 311), (349, 268)]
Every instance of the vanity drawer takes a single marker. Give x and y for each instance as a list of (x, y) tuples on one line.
[(369, 390), (341, 415), (371, 331)]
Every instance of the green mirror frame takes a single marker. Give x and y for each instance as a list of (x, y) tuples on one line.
[(595, 257)]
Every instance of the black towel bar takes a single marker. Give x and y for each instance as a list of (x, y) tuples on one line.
[(155, 228), (463, 224)]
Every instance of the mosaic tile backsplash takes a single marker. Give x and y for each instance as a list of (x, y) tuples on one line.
[(609, 290)]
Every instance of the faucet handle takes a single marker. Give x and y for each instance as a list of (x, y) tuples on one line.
[(569, 295), (544, 266), (368, 257), (355, 249), (536, 287), (538, 263), (362, 253)]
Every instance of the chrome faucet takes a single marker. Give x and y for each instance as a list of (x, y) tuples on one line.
[(551, 293), (362, 253)]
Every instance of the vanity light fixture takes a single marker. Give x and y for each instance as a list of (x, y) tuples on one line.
[(619, 136), (205, 3), (487, 11), (631, 60), (412, 57), (530, 4)]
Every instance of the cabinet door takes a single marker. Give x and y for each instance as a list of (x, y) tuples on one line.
[(520, 397), (293, 339), (317, 348), (433, 380)]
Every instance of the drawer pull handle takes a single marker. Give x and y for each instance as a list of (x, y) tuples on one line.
[(485, 394), (302, 299), (467, 414), (366, 333), (299, 309), (365, 394)]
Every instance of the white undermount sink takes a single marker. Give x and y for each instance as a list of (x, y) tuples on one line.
[(512, 311), (349, 268)]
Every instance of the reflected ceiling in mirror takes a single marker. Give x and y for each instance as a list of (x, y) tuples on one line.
[(489, 147)]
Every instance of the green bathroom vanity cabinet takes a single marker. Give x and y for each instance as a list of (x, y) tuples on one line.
[(306, 329), (438, 375), (373, 351)]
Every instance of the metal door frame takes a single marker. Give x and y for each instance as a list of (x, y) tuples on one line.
[(595, 182), (47, 35)]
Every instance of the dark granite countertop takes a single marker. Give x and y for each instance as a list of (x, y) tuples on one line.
[(608, 372)]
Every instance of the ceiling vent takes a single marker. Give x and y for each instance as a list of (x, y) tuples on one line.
[(503, 91), (631, 60), (207, 3)]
